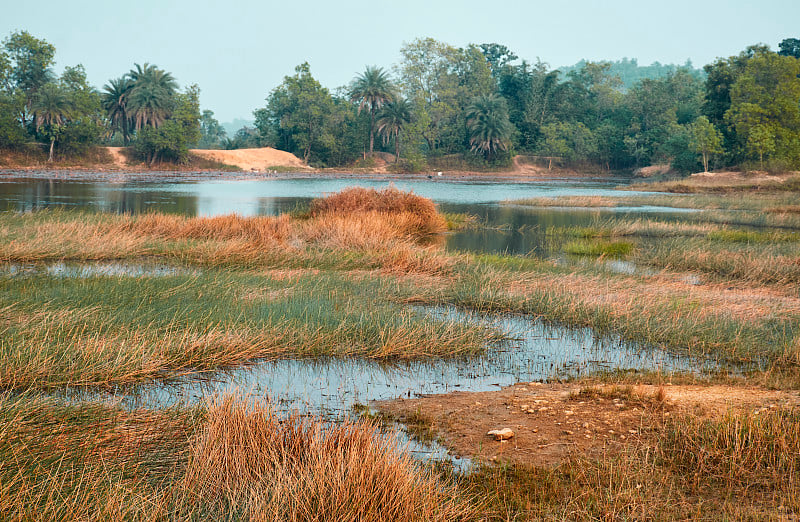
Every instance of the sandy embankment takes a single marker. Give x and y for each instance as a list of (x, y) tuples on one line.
[(261, 159)]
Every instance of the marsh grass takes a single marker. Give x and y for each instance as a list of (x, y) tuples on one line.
[(742, 466), (677, 318), (116, 330), (233, 460), (599, 248)]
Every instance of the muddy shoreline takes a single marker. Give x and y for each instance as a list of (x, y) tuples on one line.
[(139, 176)]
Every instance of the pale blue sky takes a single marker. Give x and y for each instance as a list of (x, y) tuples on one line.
[(237, 51)]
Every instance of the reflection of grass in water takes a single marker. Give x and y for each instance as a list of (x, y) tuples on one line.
[(229, 461), (117, 329)]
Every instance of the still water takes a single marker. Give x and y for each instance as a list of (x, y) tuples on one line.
[(512, 229)]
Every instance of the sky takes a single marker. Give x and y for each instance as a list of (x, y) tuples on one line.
[(237, 51)]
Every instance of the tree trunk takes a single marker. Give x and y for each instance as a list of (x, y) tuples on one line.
[(397, 147), (52, 142), (705, 162), (371, 127)]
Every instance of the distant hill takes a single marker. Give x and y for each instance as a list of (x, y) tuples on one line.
[(630, 72)]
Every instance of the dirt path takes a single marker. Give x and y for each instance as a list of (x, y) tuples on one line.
[(552, 421), (117, 156)]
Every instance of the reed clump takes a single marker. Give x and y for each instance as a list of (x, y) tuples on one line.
[(300, 469), (234, 460), (420, 213)]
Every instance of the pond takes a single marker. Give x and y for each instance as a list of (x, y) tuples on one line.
[(511, 229)]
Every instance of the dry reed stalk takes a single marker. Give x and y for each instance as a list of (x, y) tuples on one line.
[(300, 469)]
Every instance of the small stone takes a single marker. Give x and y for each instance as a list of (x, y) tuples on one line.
[(501, 434), (525, 407), (585, 425), (569, 412), (568, 432), (622, 437), (536, 430), (632, 432)]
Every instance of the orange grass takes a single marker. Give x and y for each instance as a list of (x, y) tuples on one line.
[(301, 469), (235, 461)]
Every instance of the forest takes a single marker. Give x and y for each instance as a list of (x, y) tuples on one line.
[(474, 107)]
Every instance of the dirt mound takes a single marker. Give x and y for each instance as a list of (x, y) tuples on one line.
[(265, 158)]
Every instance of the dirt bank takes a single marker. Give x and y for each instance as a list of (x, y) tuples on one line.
[(262, 159), (553, 421)]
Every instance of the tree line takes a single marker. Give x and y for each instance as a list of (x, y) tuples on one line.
[(477, 106)]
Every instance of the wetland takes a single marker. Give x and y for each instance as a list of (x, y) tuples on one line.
[(211, 311)]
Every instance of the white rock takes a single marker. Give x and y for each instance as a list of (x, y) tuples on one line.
[(501, 434)]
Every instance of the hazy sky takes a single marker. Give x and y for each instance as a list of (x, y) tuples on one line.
[(237, 51)]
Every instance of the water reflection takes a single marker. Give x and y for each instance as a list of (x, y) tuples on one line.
[(330, 387)]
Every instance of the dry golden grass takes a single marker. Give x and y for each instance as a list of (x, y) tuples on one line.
[(390, 227), (233, 462), (421, 216), (299, 469)]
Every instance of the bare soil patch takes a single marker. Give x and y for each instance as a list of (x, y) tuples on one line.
[(265, 158), (552, 422)]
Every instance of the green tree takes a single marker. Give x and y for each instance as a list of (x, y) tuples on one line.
[(51, 107), (721, 75), (151, 98), (28, 60), (706, 140), (761, 141), (498, 56), (490, 130), (764, 100), (115, 102), (372, 90), (171, 140), (212, 134), (299, 116), (440, 81), (391, 120), (789, 47)]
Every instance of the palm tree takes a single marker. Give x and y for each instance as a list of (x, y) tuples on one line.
[(115, 102), (372, 89), (152, 95), (487, 121), (51, 107), (391, 121)]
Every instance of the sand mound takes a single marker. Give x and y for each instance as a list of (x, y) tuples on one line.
[(253, 159)]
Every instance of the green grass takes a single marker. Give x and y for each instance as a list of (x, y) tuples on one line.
[(116, 330), (612, 249)]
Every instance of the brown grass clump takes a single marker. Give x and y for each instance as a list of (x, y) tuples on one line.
[(300, 469), (419, 214)]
